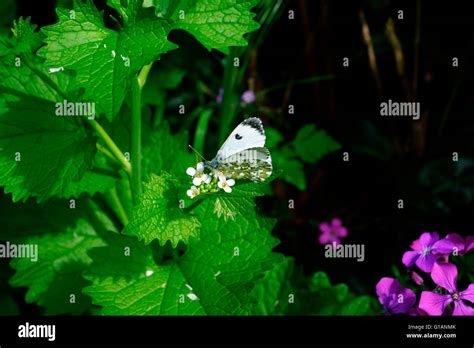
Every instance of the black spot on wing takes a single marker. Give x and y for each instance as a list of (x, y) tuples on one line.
[(255, 123), (238, 136)]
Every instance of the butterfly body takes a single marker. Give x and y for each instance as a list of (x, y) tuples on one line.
[(243, 155)]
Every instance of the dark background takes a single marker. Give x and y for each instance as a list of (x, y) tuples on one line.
[(364, 191)]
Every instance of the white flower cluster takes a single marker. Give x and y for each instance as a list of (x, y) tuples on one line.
[(207, 182)]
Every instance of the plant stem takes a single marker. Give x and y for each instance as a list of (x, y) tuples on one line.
[(136, 139), (231, 98), (143, 75), (117, 206), (111, 145)]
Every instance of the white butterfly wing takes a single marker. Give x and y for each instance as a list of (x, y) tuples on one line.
[(248, 134)]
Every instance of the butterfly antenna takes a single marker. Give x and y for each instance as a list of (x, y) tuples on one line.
[(192, 148)]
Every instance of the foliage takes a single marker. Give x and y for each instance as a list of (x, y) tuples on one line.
[(73, 185)]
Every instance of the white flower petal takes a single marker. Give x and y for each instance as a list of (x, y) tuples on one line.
[(231, 182), (197, 181), (191, 171), (227, 189), (189, 193), (200, 167), (219, 184), (221, 178), (208, 179)]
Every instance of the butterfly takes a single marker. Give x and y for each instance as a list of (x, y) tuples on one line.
[(243, 155)]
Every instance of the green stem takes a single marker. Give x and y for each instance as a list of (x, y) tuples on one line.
[(231, 97), (143, 75), (136, 139), (117, 206), (111, 145)]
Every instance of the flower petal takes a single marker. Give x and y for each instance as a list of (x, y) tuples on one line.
[(219, 184), (324, 227), (469, 244), (468, 294), (231, 182), (445, 275), (426, 239), (426, 262), (384, 289), (227, 189), (189, 193), (341, 232), (460, 308), (457, 240), (433, 303), (410, 257), (443, 246), (416, 245), (200, 167), (324, 238), (197, 181), (404, 300), (393, 296), (191, 171), (336, 223)]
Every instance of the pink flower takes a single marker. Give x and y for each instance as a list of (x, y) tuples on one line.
[(248, 97), (462, 246), (426, 250), (445, 275), (393, 297), (331, 233)]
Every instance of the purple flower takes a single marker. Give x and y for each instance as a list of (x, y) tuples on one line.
[(426, 250), (416, 312), (331, 233), (248, 97), (445, 275), (393, 297), (220, 95), (462, 247)]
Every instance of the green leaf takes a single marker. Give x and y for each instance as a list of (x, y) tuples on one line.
[(56, 275), (272, 292), (311, 145), (159, 216), (292, 168), (103, 59), (41, 154), (241, 199), (28, 219), (25, 93), (215, 276), (25, 39), (98, 179), (327, 299), (274, 138), (164, 151), (217, 24)]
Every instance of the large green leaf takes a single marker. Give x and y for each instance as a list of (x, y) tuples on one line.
[(104, 60), (217, 24), (215, 276), (41, 154), (159, 215), (55, 279)]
